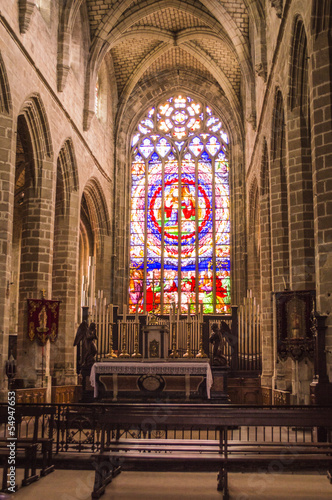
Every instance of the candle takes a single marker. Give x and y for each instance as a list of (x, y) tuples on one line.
[(136, 314), (172, 313), (188, 317), (124, 313), (111, 313), (201, 313)]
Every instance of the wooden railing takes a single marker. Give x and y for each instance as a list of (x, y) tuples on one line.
[(60, 394), (275, 396)]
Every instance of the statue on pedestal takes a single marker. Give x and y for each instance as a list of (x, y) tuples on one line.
[(87, 335), (219, 338)]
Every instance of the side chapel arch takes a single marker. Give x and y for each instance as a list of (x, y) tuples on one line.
[(302, 256), (34, 214), (94, 255)]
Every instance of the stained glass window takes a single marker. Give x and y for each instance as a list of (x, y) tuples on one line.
[(180, 220)]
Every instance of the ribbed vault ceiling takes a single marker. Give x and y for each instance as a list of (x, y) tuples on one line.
[(146, 38)]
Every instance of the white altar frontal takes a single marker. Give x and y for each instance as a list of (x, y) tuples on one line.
[(133, 379)]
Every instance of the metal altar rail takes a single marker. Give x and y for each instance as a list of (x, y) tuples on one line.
[(77, 427), (243, 352)]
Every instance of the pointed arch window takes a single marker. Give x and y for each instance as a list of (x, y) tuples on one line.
[(180, 223)]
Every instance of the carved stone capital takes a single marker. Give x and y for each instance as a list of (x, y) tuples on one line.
[(278, 5), (26, 9)]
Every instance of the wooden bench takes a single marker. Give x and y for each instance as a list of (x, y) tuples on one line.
[(224, 454), (25, 457), (151, 453), (43, 440), (28, 441)]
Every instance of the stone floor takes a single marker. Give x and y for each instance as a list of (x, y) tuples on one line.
[(77, 485)]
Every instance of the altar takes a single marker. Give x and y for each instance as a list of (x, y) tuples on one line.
[(132, 379)]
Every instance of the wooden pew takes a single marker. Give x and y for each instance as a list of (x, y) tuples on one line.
[(46, 441), (26, 457), (225, 453), (28, 441)]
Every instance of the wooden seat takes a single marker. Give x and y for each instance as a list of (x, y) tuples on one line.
[(149, 452), (226, 452), (28, 446), (25, 457)]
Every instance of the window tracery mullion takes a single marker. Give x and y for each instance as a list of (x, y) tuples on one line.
[(145, 231), (214, 274), (196, 236), (162, 258), (179, 234)]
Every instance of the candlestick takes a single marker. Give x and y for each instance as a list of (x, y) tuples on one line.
[(171, 314), (111, 353), (124, 353), (201, 353), (174, 353), (201, 313), (153, 301), (136, 353), (188, 353)]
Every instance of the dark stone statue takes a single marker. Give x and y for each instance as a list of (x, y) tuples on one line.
[(219, 338), (87, 335)]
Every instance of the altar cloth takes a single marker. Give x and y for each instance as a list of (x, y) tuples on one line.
[(155, 368)]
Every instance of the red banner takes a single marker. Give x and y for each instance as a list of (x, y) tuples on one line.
[(43, 319)]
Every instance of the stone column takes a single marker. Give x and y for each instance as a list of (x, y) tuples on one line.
[(321, 125), (36, 267), (238, 226), (266, 287), (65, 275), (7, 181)]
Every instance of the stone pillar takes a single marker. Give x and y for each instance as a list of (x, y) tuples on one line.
[(279, 229), (65, 275), (238, 226), (321, 105), (7, 181), (121, 228), (36, 267), (266, 288)]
